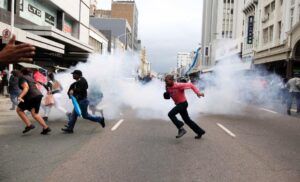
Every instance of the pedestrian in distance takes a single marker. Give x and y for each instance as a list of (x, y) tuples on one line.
[(175, 91), (13, 88), (294, 93), (78, 89), (95, 97), (30, 99)]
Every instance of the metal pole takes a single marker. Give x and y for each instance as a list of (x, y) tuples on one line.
[(12, 22)]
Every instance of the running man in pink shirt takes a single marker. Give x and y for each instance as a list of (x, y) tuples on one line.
[(176, 92)]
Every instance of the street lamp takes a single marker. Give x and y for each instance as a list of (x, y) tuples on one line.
[(124, 34)]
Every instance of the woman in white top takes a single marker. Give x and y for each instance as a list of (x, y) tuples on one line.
[(54, 87)]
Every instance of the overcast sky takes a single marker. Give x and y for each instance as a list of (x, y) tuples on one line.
[(167, 27)]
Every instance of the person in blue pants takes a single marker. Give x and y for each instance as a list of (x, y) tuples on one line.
[(78, 89)]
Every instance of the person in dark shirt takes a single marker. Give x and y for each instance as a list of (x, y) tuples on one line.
[(30, 99), (78, 89), (13, 88)]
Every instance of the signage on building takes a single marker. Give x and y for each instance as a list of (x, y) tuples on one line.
[(250, 29), (34, 10), (5, 35), (49, 18)]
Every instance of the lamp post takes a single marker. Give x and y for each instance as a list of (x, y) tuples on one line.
[(124, 34), (12, 22)]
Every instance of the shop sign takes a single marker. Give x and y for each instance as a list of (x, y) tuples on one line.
[(34, 10), (49, 18), (250, 29)]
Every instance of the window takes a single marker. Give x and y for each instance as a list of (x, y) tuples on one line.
[(272, 6), (271, 29), (21, 5), (3, 4), (292, 2), (279, 30), (267, 10), (265, 35)]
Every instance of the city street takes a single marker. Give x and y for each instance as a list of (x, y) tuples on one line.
[(256, 145)]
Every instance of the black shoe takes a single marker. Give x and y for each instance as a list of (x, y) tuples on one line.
[(181, 132), (12, 109), (288, 112), (67, 130), (28, 128), (45, 118), (46, 131), (199, 135), (102, 122)]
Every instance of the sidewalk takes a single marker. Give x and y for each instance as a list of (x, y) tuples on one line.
[(5, 103)]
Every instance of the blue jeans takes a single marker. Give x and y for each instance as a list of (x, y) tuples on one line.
[(292, 96), (83, 104), (14, 99)]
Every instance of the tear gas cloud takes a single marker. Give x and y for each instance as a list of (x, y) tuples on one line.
[(232, 82), (116, 76)]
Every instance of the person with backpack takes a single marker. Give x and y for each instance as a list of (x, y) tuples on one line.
[(175, 91), (30, 99)]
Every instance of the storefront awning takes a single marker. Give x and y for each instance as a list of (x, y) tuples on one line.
[(35, 40), (72, 44)]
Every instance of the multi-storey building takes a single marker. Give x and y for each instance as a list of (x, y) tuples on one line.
[(61, 32), (272, 35), (127, 9), (183, 59), (114, 29), (222, 24)]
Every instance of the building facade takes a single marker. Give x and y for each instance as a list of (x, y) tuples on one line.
[(222, 24), (114, 29), (273, 34), (127, 10), (61, 32)]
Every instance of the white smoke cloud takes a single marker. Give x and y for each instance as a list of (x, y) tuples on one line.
[(115, 76)]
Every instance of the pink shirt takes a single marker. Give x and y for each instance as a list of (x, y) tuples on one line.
[(177, 91)]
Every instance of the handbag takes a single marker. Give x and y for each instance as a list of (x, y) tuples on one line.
[(49, 100)]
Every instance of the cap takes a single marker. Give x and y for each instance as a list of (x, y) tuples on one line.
[(77, 72)]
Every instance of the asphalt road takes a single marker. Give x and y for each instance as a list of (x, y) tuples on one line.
[(259, 145)]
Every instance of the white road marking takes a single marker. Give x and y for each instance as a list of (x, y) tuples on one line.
[(226, 130), (117, 125), (268, 110)]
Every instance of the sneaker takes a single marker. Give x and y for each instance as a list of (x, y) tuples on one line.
[(67, 130), (12, 109), (199, 135), (28, 128), (102, 122), (181, 132), (46, 131), (45, 118), (288, 112)]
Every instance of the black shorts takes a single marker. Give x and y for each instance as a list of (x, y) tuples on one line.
[(30, 104)]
